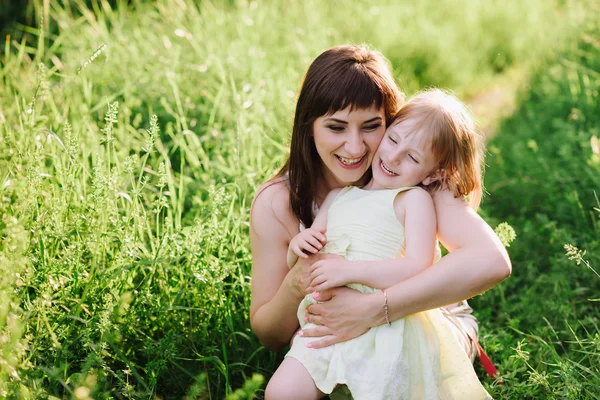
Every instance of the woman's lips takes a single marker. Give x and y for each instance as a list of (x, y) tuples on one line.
[(349, 163)]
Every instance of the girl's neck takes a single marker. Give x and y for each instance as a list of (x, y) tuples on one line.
[(372, 185)]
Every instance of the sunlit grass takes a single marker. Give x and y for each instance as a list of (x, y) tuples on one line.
[(131, 142)]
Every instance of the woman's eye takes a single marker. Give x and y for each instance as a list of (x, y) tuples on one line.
[(372, 127), (336, 128)]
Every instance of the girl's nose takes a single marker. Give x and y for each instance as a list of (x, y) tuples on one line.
[(394, 158)]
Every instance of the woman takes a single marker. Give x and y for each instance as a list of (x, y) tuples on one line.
[(347, 99)]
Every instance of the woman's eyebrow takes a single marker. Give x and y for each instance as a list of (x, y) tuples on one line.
[(341, 121)]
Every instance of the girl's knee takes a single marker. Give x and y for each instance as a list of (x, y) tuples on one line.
[(277, 390), (291, 389), (292, 381)]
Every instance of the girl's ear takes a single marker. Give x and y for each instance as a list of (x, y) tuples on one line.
[(435, 176)]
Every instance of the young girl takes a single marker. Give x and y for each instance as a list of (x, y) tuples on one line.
[(432, 144)]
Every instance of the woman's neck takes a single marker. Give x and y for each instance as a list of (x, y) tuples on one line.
[(327, 183)]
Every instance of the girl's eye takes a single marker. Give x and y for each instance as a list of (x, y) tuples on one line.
[(392, 139), (414, 159)]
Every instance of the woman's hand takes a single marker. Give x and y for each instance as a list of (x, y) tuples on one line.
[(343, 314), (330, 273)]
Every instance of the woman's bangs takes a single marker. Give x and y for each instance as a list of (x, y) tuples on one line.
[(355, 90)]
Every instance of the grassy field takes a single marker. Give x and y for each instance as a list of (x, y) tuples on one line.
[(133, 137)]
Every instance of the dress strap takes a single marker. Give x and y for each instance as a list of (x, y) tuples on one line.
[(392, 193)]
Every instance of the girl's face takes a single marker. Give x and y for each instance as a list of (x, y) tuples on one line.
[(404, 158), (346, 142)]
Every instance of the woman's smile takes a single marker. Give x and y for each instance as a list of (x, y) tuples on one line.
[(346, 141), (351, 163)]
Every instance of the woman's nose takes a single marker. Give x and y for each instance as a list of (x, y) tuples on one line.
[(355, 145)]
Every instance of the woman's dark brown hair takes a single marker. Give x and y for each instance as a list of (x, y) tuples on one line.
[(341, 77)]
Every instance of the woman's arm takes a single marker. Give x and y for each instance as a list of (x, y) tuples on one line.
[(415, 210), (276, 290), (477, 262)]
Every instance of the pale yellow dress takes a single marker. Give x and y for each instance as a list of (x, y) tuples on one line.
[(417, 357)]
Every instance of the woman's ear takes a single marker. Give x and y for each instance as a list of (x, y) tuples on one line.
[(435, 176)]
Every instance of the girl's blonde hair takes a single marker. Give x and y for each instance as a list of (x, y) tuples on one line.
[(455, 143)]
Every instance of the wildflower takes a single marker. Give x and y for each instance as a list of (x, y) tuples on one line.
[(505, 233)]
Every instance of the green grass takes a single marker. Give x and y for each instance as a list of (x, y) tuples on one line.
[(543, 178), (132, 139)]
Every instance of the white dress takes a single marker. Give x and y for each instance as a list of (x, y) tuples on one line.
[(417, 357)]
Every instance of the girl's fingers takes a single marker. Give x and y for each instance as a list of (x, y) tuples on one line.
[(320, 287), (320, 237), (298, 251), (315, 242), (317, 280), (317, 234), (315, 266), (315, 273), (309, 247), (314, 282)]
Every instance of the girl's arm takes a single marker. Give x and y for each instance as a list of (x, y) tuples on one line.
[(477, 262), (419, 226), (415, 209), (311, 239)]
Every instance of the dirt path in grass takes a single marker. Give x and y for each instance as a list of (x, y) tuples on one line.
[(493, 104)]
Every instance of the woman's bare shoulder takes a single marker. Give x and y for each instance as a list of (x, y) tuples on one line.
[(272, 202), (273, 194)]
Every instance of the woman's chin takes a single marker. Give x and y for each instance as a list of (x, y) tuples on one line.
[(341, 176)]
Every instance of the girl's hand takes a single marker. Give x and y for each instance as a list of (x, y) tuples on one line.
[(308, 241), (299, 275), (343, 314), (330, 273)]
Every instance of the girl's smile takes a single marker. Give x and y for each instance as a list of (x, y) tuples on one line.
[(404, 158), (385, 169)]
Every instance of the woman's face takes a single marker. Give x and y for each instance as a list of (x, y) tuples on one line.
[(346, 142), (404, 158)]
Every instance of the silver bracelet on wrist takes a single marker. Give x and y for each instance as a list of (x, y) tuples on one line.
[(385, 308)]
